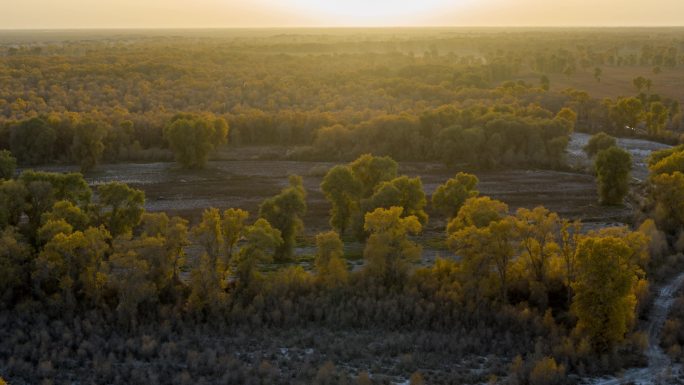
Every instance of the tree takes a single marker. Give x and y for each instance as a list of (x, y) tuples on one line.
[(206, 287), (70, 266), (192, 138), (174, 234), (284, 212), (669, 164), (389, 251), (51, 228), (547, 372), (261, 241), (343, 190), (599, 142), (483, 249), (70, 213), (65, 186), (371, 170), (597, 74), (87, 146), (627, 113), (15, 265), (46, 188), (129, 276), (613, 166), (403, 192), (8, 165), (330, 263), (120, 207), (568, 117), (209, 233), (570, 235), (13, 196), (545, 83), (233, 224), (450, 196), (604, 301), (218, 234), (656, 118), (640, 83), (32, 141), (667, 196), (478, 212), (536, 230)]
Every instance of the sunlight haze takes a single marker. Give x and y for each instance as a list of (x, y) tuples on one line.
[(338, 13)]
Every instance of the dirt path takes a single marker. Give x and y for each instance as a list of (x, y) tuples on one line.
[(659, 367)]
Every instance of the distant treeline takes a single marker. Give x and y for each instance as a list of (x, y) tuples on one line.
[(377, 91)]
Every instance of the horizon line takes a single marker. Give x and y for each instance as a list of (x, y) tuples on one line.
[(109, 28)]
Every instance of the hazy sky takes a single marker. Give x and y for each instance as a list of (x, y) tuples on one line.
[(282, 13)]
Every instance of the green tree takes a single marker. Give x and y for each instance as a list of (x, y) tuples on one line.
[(450, 196), (284, 212), (174, 234), (403, 192), (613, 167), (261, 242), (389, 251), (597, 74), (604, 300), (599, 142), (656, 118), (627, 113), (545, 83), (120, 207), (32, 141), (129, 276), (8, 165), (371, 170), (192, 138), (65, 186), (13, 196), (15, 266), (46, 188), (87, 146), (70, 266), (343, 190), (640, 83)]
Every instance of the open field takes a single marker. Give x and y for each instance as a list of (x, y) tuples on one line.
[(246, 182), (617, 81)]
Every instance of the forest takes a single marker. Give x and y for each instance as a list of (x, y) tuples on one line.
[(103, 280)]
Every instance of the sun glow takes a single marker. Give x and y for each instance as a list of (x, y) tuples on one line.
[(374, 12)]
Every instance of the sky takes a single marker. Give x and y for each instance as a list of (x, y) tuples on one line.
[(66, 14)]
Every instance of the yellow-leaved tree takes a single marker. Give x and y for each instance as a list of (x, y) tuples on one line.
[(389, 251), (605, 285)]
